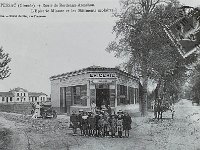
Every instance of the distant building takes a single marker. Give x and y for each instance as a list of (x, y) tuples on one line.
[(19, 95), (78, 89)]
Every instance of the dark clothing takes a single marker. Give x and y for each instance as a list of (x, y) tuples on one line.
[(127, 122), (109, 110), (74, 120), (80, 120), (85, 125), (91, 122), (97, 117)]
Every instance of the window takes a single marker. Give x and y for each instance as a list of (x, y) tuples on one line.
[(24, 94), (76, 91), (123, 94), (17, 99), (11, 99), (7, 99), (17, 94), (41, 98), (21, 94), (24, 99), (3, 99)]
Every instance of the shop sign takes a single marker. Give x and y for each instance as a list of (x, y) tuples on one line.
[(103, 75)]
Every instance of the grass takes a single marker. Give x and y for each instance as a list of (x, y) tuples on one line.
[(5, 139)]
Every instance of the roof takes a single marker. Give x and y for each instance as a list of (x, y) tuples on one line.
[(36, 94), (90, 69), (18, 89), (6, 94)]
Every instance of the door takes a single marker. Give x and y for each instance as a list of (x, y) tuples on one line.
[(102, 97)]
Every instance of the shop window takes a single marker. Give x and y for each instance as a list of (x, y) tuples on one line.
[(77, 95)]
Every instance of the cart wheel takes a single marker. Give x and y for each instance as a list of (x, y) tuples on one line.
[(54, 115)]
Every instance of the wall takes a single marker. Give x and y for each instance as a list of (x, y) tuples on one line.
[(21, 108), (70, 81)]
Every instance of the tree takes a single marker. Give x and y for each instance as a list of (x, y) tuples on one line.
[(139, 34), (194, 82), (4, 68)]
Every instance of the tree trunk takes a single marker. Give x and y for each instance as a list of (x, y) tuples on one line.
[(144, 97)]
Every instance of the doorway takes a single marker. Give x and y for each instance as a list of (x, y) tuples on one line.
[(102, 97)]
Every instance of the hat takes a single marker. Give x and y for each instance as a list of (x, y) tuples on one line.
[(120, 111), (80, 110), (89, 111)]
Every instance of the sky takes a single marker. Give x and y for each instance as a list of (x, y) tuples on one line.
[(59, 43)]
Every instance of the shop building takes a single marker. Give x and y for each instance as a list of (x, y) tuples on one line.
[(78, 89)]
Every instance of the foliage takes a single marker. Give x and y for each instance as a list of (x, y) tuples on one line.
[(4, 68), (140, 35), (195, 83)]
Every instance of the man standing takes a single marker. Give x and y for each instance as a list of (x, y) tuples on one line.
[(37, 111), (126, 123)]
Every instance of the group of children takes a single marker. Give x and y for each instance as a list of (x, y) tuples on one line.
[(101, 123)]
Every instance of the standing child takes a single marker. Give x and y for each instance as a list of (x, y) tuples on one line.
[(85, 124), (80, 120), (113, 125), (120, 123), (74, 122)]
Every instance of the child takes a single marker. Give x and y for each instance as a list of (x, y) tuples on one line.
[(74, 122), (120, 123), (113, 125)]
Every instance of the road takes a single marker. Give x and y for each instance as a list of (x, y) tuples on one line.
[(180, 133)]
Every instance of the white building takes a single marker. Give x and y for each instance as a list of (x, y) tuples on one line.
[(19, 95)]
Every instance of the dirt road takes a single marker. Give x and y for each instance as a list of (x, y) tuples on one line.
[(182, 133)]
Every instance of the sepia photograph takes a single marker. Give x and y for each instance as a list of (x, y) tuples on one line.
[(100, 75)]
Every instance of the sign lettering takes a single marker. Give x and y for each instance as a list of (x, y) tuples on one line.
[(103, 75)]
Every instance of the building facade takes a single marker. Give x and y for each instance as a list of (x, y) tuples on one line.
[(78, 89), (20, 95)]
